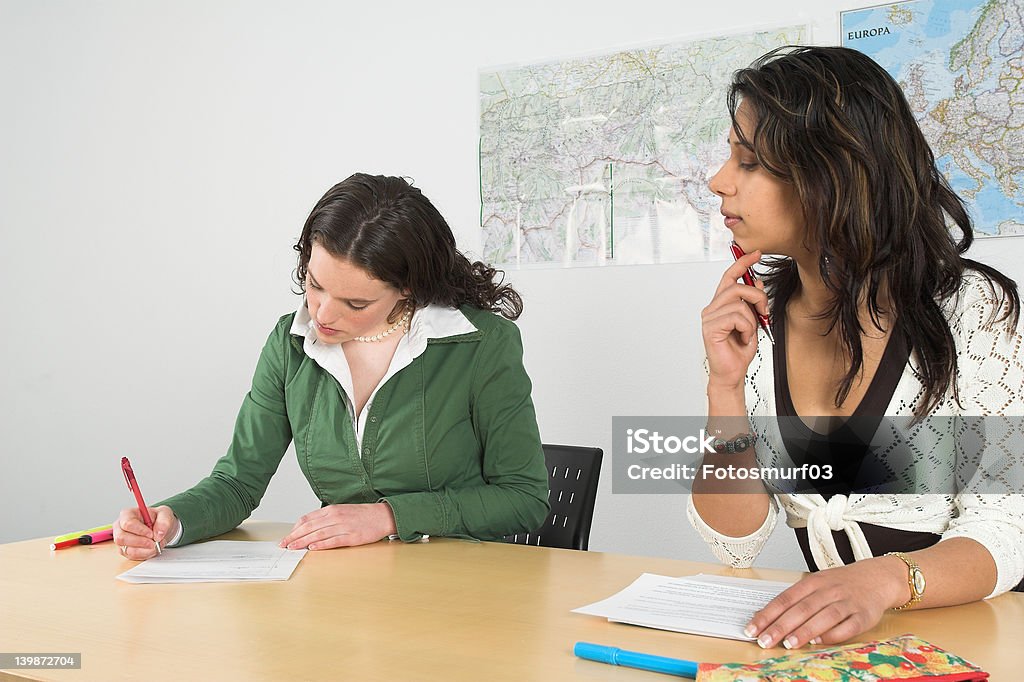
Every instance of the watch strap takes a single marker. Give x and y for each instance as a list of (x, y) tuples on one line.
[(912, 569)]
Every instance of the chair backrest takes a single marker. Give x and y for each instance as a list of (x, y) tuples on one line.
[(572, 489)]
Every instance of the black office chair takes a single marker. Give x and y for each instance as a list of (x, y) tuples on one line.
[(572, 489)]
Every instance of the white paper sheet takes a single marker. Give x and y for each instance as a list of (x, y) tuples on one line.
[(717, 606), (217, 561)]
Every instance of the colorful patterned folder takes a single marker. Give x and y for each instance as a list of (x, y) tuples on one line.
[(903, 658)]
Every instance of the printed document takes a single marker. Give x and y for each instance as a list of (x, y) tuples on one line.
[(217, 561), (712, 605)]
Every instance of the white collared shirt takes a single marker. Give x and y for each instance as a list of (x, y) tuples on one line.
[(431, 322)]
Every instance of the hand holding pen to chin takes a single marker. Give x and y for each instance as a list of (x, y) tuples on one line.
[(729, 324), (750, 279)]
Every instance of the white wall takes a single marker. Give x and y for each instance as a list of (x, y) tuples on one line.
[(157, 161)]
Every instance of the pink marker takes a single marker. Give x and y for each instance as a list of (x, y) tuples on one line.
[(93, 538)]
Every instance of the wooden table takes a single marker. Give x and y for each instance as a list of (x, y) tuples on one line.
[(437, 610)]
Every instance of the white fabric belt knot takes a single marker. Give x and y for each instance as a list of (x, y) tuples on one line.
[(834, 515), (834, 511)]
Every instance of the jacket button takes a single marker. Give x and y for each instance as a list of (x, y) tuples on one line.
[(373, 420), (366, 450)]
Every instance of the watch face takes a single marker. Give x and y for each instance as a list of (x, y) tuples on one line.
[(918, 582)]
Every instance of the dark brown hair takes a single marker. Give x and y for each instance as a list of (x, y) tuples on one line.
[(835, 125), (387, 227)]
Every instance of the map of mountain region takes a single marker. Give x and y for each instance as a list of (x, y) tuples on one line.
[(961, 65), (605, 160)]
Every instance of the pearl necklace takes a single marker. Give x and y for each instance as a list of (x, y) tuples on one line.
[(402, 324)]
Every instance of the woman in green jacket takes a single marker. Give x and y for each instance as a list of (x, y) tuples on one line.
[(404, 394)]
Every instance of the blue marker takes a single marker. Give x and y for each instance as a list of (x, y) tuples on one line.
[(632, 659)]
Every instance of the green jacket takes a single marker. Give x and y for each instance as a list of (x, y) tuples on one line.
[(451, 441)]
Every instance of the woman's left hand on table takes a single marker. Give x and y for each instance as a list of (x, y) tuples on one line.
[(833, 605), (341, 525)]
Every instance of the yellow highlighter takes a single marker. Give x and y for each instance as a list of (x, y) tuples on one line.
[(68, 536)]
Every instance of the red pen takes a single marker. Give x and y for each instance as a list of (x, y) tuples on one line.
[(748, 278), (65, 544), (133, 485)]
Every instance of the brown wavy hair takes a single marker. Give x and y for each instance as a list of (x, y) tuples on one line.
[(390, 229), (837, 127)]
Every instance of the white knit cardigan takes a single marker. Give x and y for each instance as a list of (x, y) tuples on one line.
[(990, 379)]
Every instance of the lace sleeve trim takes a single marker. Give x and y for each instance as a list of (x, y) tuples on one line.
[(737, 552)]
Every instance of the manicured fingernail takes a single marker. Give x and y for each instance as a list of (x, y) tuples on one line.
[(750, 630), (764, 641), (815, 640), (789, 642)]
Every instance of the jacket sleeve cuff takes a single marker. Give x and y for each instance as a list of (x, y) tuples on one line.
[(191, 513), (177, 536), (419, 514)]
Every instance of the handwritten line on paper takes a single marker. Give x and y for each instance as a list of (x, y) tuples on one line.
[(217, 561), (716, 606)]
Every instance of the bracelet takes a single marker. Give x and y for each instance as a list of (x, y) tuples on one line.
[(734, 445)]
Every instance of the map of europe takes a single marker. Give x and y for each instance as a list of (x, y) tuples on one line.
[(605, 159), (961, 65)]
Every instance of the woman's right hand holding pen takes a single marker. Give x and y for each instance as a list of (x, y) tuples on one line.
[(729, 326), (135, 539)]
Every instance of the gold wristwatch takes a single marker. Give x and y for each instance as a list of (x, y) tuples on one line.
[(915, 578)]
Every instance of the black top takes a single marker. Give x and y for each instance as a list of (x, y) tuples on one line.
[(846, 445)]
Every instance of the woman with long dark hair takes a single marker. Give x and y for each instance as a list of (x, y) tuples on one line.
[(875, 312), (403, 392)]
